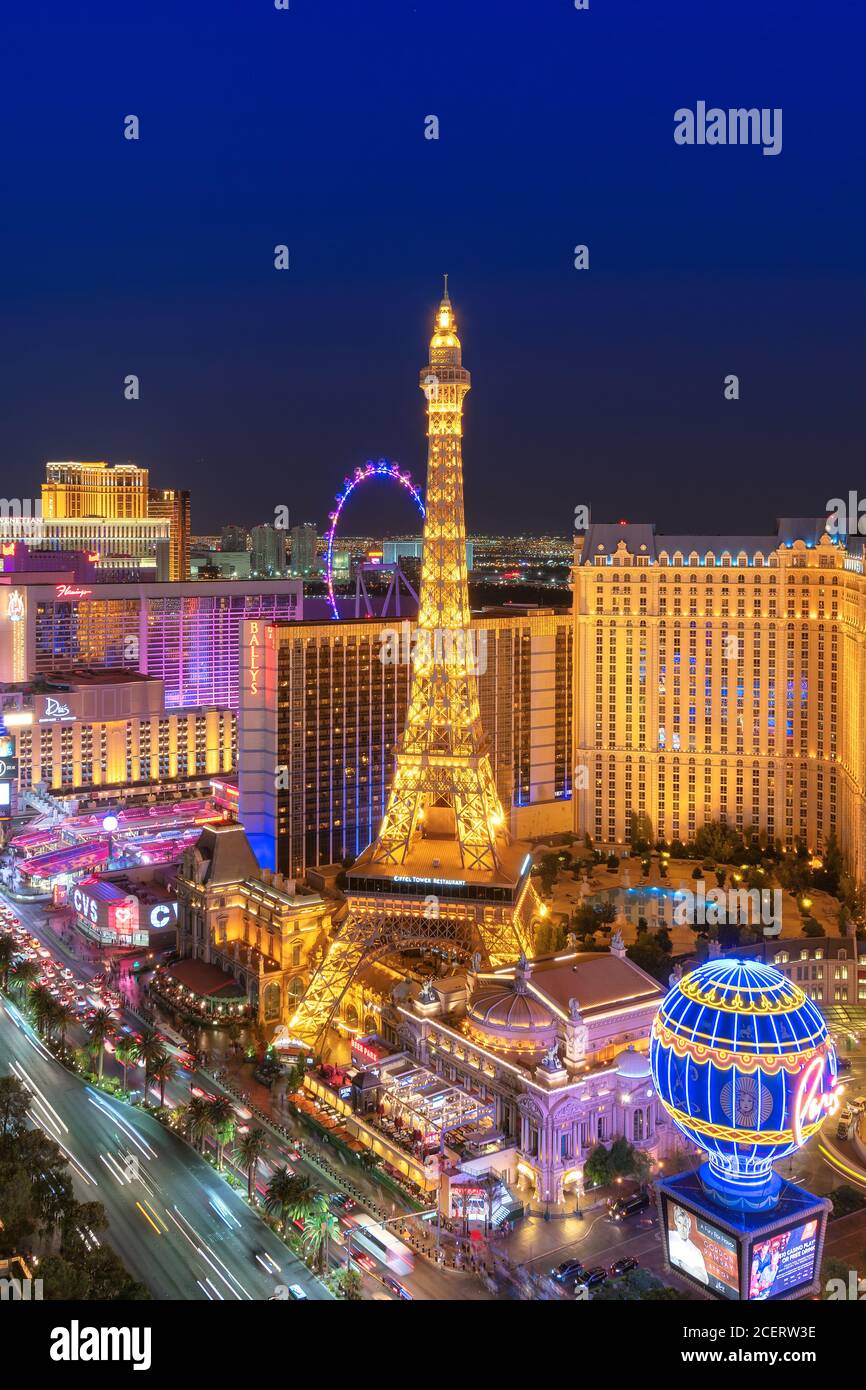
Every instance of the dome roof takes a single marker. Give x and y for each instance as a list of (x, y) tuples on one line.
[(632, 1065), (510, 1009)]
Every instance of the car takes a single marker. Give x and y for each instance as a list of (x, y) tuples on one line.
[(296, 1291), (44, 952), (570, 1271), (293, 1155), (395, 1286), (594, 1277), (629, 1206), (365, 1261), (66, 973), (843, 1129), (622, 1266), (843, 1063)]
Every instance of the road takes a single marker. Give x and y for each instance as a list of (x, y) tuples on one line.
[(177, 1226), (425, 1281)]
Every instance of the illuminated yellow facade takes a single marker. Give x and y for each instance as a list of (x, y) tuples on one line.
[(720, 679), (443, 871), (94, 490)]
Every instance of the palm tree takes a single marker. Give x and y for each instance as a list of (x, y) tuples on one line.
[(126, 1052), (163, 1070), (7, 951), (26, 971), (99, 1030), (150, 1051), (282, 1193), (249, 1150), (221, 1117), (41, 1004), (196, 1121), (320, 1227), (61, 1017)]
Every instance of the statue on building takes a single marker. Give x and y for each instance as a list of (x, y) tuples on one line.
[(428, 994), (476, 962), (617, 945), (576, 1034), (551, 1058), (675, 976)]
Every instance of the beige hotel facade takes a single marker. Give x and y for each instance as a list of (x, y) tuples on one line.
[(721, 678)]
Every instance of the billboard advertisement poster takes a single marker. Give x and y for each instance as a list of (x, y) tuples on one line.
[(784, 1261), (702, 1251)]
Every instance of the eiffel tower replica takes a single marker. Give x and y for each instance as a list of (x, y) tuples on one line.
[(443, 872)]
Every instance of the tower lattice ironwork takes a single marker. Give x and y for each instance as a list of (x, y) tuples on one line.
[(443, 870)]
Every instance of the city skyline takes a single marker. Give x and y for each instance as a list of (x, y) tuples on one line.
[(692, 257)]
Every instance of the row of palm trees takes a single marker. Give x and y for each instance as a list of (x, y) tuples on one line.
[(288, 1198), (292, 1198), (53, 1019)]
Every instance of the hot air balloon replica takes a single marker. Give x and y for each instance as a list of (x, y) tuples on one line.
[(745, 1068)]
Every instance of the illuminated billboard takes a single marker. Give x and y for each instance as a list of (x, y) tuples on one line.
[(784, 1262), (703, 1252), (746, 1255)]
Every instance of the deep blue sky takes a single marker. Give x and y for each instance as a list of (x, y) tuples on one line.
[(556, 127)]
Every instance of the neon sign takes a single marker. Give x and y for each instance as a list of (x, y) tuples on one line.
[(255, 665), (15, 607), (811, 1100), (70, 591), (54, 711)]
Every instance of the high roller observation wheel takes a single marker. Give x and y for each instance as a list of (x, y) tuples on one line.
[(380, 469)]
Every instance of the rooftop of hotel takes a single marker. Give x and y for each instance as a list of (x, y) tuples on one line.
[(640, 539)]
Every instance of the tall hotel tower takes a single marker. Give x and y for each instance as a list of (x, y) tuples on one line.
[(443, 871)]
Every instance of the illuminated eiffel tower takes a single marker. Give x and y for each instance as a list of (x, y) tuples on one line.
[(443, 871)]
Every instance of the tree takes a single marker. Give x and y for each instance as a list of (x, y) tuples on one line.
[(41, 1004), (195, 1123), (221, 1118), (7, 951), (320, 1228), (14, 1104), (99, 1030), (62, 1017), (281, 1194), (150, 1050), (250, 1148), (349, 1285), (638, 1285), (26, 972), (126, 1051), (163, 1070)]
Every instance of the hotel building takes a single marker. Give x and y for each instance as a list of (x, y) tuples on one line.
[(86, 732), (187, 635), (320, 714), (111, 513), (721, 678), (248, 939), (516, 1073)]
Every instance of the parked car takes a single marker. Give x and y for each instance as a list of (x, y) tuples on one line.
[(622, 1266)]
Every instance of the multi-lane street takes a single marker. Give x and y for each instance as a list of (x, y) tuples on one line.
[(177, 1226), (181, 1173)]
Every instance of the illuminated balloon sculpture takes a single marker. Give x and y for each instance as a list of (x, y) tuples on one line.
[(743, 1064)]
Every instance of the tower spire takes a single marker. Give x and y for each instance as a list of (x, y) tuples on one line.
[(443, 871)]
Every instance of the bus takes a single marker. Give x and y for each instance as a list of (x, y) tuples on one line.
[(374, 1238)]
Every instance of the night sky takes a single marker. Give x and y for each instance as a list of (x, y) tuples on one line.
[(604, 387)]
